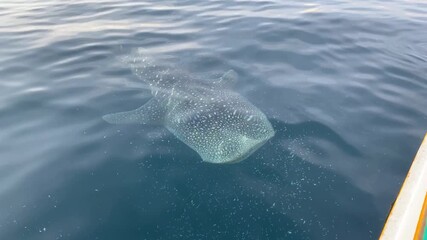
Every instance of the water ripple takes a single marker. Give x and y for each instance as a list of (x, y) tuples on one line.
[(343, 82)]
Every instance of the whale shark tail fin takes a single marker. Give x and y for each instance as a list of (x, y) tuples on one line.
[(150, 113), (228, 79)]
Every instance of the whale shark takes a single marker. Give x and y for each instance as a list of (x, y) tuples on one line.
[(208, 116)]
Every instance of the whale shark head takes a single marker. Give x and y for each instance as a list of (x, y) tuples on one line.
[(237, 150), (228, 137)]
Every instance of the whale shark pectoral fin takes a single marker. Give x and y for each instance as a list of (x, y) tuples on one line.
[(150, 113), (228, 79)]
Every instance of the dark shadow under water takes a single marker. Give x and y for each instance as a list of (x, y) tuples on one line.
[(171, 194)]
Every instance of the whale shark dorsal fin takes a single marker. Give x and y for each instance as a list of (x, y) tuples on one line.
[(152, 112), (228, 79)]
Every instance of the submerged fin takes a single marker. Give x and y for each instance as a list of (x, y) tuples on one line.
[(228, 79), (150, 113)]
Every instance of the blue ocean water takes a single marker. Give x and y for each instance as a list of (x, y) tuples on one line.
[(343, 83)]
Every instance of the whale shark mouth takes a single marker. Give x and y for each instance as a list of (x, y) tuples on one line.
[(253, 145)]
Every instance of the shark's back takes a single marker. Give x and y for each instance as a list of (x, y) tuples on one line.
[(211, 118)]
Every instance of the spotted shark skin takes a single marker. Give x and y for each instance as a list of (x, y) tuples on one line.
[(211, 118)]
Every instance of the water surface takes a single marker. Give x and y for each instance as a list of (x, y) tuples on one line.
[(343, 83)]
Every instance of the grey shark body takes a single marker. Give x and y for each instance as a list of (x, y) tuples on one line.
[(218, 123)]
